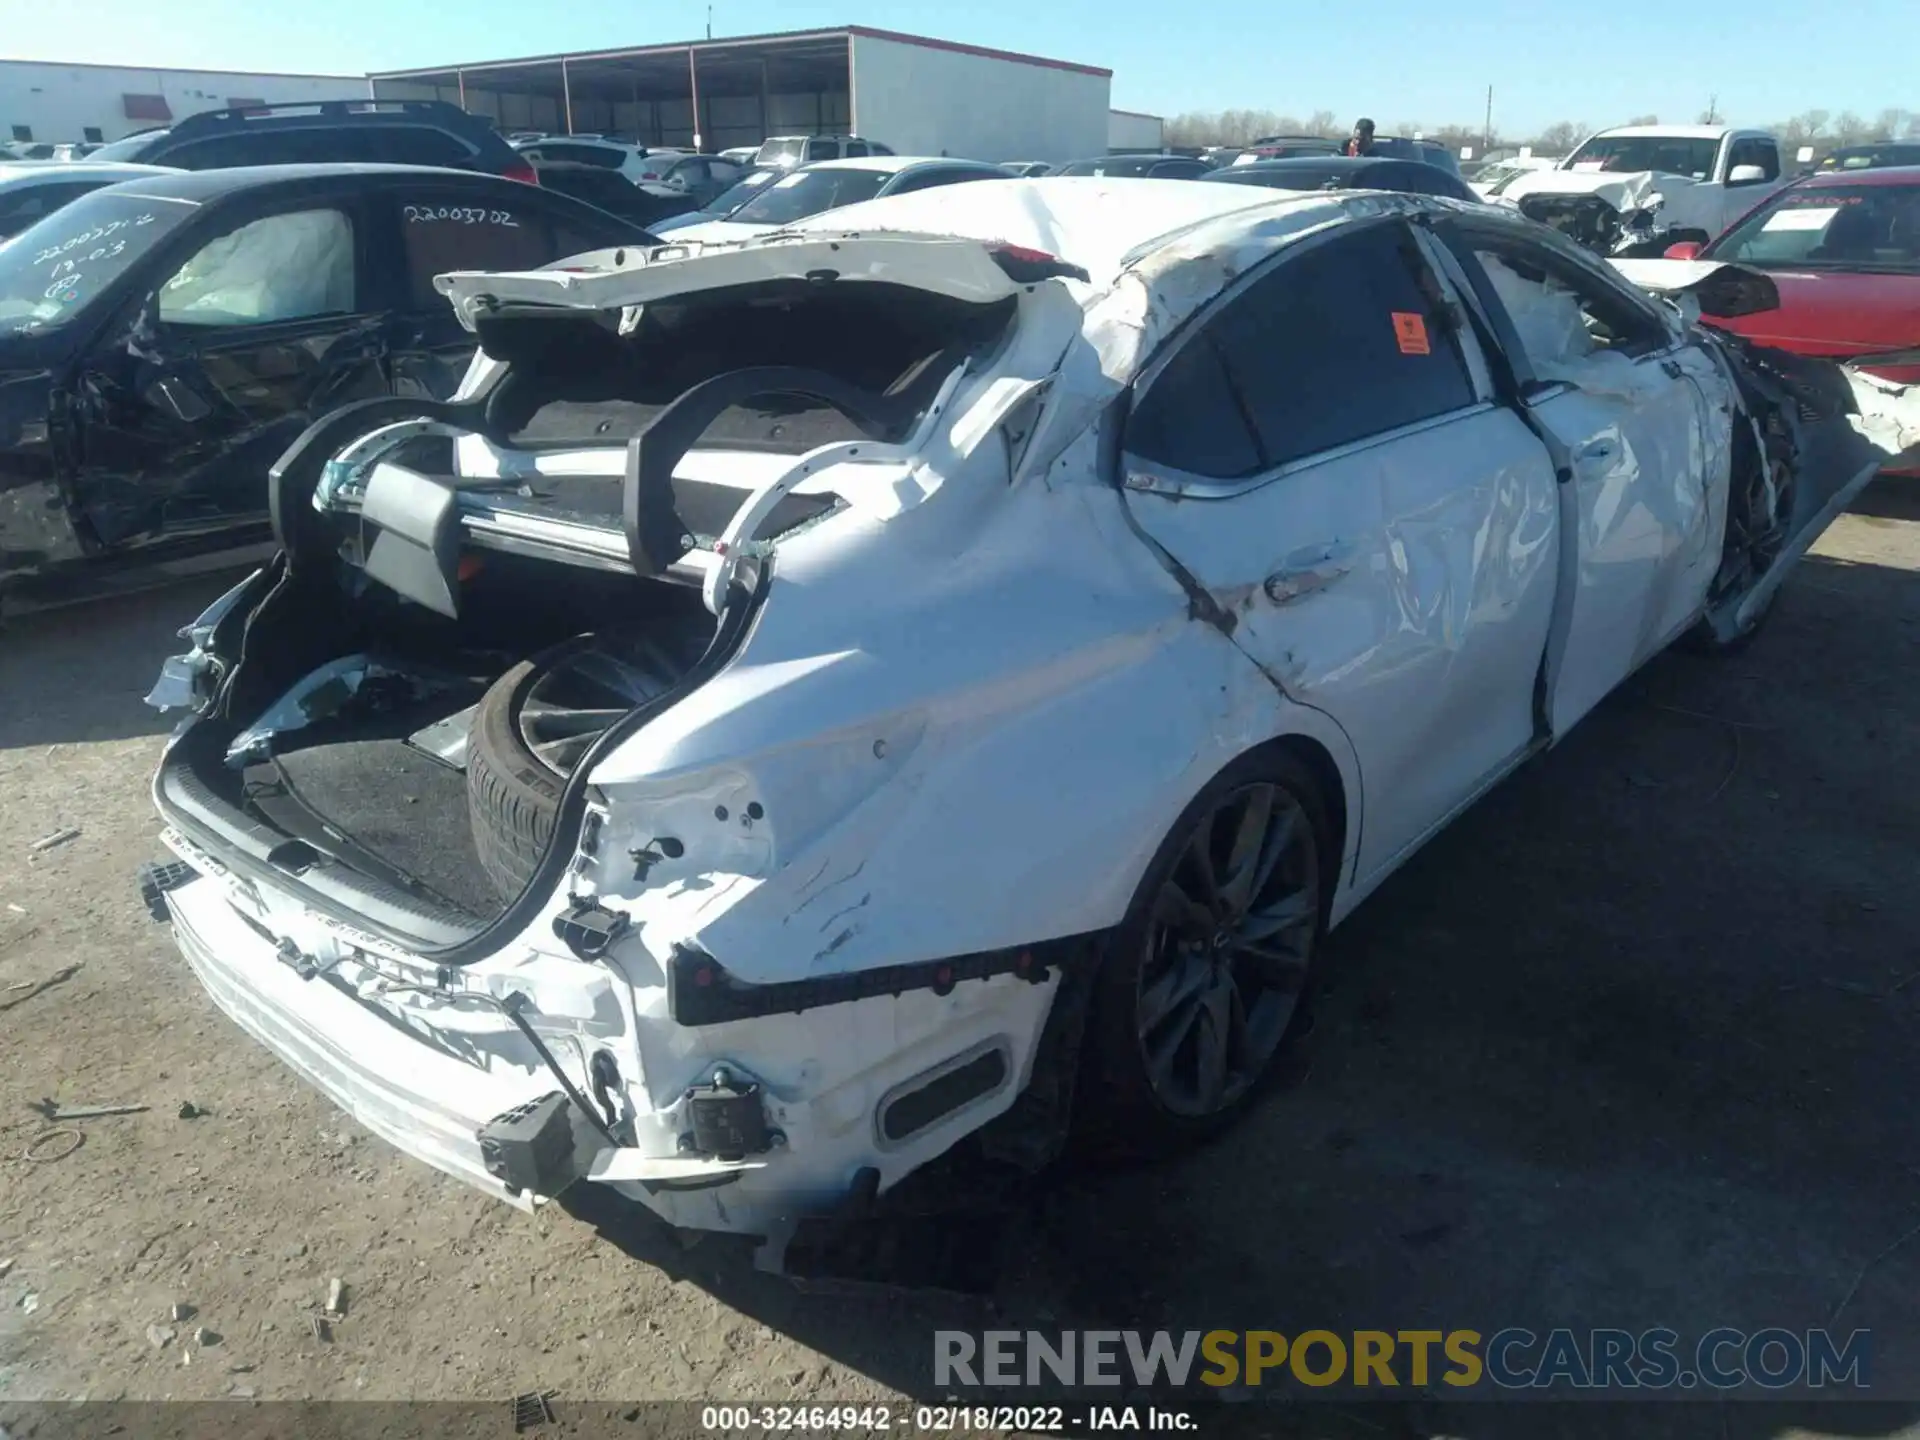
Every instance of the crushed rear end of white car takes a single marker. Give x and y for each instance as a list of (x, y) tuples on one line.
[(491, 823)]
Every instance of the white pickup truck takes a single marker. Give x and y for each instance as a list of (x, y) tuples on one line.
[(1636, 189)]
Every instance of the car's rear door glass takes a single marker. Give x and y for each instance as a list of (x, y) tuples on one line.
[(1191, 419), (416, 145), (444, 229), (1341, 343)]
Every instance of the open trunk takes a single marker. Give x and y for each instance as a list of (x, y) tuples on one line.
[(476, 599)]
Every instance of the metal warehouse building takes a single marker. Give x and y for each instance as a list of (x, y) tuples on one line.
[(919, 96)]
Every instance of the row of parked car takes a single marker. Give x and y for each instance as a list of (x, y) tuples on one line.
[(170, 319)]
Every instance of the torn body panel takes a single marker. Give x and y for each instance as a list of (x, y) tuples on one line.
[(1611, 213)]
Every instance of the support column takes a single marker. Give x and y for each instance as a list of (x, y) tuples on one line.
[(693, 84)]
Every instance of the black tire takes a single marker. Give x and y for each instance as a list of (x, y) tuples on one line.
[(511, 797), (1701, 640), (1120, 1113)]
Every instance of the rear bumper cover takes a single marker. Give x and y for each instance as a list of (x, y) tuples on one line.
[(430, 1108), (427, 1079)]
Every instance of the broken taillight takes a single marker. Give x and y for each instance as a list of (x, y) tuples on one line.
[(1026, 266)]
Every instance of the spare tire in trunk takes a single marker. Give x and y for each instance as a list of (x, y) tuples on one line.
[(537, 721)]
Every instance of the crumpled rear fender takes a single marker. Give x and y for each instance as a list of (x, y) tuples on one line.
[(915, 759)]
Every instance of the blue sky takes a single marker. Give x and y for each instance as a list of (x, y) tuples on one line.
[(1392, 59)]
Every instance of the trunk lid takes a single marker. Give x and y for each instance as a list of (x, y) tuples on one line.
[(968, 270)]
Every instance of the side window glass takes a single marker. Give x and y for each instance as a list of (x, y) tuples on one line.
[(1339, 344), (927, 181), (444, 230), (1563, 317), (1755, 152), (416, 145), (856, 148), (1191, 419), (823, 150), (216, 153), (22, 209), (283, 267)]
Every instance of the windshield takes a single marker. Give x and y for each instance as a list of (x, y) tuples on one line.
[(1496, 178), (1830, 227), (777, 152), (730, 200), (52, 271), (808, 192), (1629, 154), (1872, 158), (127, 149)]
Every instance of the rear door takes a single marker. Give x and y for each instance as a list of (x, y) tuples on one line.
[(1322, 452), (440, 225), (1636, 419), (252, 324)]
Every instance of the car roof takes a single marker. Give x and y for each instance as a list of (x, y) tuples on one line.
[(888, 164), (201, 186), (1096, 222), (1675, 132), (1878, 175), (25, 172), (1326, 164)]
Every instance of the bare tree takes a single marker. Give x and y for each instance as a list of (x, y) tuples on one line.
[(1850, 129), (1820, 129), (1560, 137), (1895, 124)]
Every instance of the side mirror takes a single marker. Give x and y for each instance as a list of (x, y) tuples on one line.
[(1685, 250), (1746, 175)]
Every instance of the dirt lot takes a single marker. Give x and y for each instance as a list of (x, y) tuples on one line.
[(1632, 1044)]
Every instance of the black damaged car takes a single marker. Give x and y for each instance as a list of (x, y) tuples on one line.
[(163, 340)]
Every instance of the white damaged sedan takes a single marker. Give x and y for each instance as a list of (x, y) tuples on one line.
[(938, 672)]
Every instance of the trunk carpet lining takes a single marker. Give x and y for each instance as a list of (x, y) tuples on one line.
[(388, 798)]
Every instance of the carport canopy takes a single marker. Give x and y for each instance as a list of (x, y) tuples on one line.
[(705, 94)]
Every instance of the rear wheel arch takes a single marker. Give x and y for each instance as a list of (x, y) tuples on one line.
[(1319, 762), (1132, 1115)]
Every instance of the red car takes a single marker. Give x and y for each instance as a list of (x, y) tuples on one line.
[(1844, 249)]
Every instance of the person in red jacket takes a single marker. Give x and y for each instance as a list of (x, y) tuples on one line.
[(1362, 141)]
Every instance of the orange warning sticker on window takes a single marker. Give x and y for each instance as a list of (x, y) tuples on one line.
[(1411, 331)]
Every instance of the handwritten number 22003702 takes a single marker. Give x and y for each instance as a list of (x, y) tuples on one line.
[(460, 215)]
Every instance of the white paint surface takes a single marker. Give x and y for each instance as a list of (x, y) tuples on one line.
[(58, 102)]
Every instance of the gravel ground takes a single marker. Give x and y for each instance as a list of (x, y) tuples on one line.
[(1632, 1043)]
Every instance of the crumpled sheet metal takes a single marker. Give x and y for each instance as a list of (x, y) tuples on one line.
[(1714, 287), (1889, 416), (1154, 297)]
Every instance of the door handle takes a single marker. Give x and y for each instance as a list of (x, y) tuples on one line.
[(1307, 576)]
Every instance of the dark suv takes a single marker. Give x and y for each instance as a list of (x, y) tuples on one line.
[(383, 132)]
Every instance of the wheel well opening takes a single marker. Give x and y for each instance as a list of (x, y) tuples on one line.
[(1319, 762)]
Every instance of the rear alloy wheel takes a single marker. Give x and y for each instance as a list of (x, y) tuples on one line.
[(1204, 980)]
